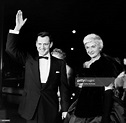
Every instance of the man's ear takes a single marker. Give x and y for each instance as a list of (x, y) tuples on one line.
[(51, 44), (36, 43)]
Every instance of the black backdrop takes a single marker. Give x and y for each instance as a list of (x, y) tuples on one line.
[(106, 18)]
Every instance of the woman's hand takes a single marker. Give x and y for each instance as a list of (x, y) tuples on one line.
[(119, 82), (121, 74)]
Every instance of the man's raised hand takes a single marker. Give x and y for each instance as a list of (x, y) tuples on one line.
[(19, 20)]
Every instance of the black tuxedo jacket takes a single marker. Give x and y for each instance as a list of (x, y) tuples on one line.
[(32, 87)]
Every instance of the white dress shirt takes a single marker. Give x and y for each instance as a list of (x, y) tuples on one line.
[(44, 67)]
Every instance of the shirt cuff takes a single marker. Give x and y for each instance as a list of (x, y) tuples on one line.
[(13, 31)]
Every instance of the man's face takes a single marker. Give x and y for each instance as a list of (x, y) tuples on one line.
[(43, 45), (92, 49)]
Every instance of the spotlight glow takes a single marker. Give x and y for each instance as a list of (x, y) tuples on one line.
[(72, 48), (74, 31)]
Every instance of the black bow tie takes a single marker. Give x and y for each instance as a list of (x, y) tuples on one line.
[(42, 57)]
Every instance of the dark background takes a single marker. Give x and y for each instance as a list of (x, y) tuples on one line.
[(106, 18)]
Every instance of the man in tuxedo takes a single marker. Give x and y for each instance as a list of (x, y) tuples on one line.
[(43, 75)]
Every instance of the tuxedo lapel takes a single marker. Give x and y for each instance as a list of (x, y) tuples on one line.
[(36, 71)]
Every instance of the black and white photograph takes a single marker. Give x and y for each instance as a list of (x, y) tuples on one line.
[(63, 61)]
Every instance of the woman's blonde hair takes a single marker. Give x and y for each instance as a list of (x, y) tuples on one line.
[(93, 37)]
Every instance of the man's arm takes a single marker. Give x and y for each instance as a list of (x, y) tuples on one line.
[(12, 38), (64, 90)]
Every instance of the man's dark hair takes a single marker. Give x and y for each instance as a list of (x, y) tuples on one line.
[(44, 33)]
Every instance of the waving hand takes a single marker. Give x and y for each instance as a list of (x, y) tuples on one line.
[(19, 20)]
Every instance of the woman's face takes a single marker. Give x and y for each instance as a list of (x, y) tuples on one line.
[(92, 49)]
